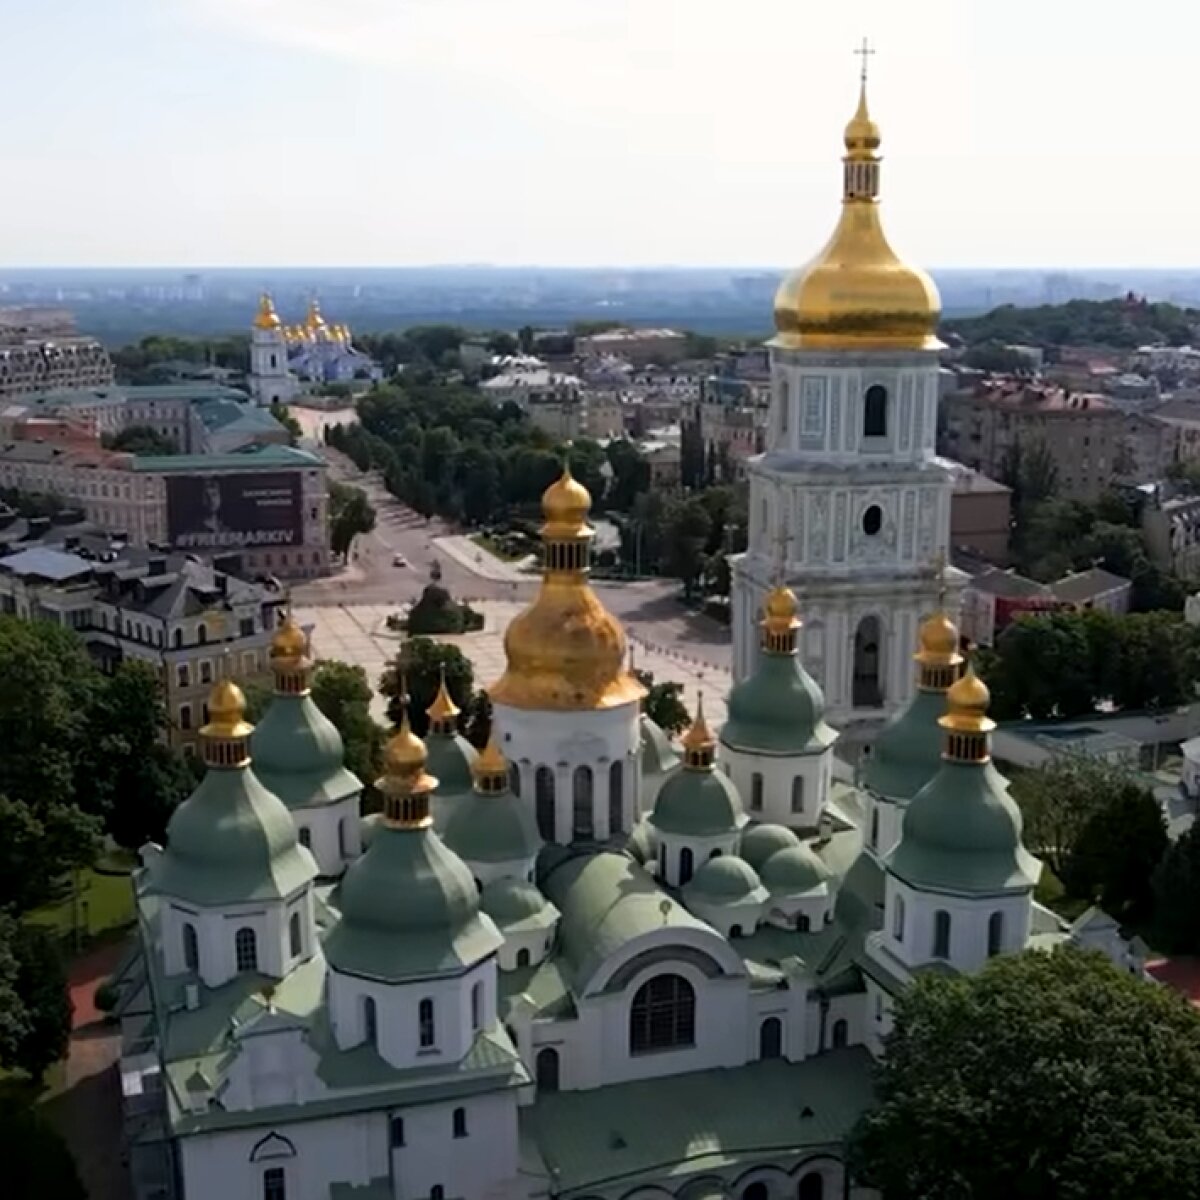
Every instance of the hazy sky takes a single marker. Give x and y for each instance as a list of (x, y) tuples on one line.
[(579, 132)]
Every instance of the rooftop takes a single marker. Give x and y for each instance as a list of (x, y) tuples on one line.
[(1027, 396), (1087, 585), (1008, 584), (251, 458)]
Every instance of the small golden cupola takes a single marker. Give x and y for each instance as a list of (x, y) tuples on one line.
[(314, 321), (290, 661), (857, 294), (699, 743), (939, 661), (781, 621), (490, 770), (443, 713), (405, 784), (566, 651), (967, 725), (226, 733), (266, 317)]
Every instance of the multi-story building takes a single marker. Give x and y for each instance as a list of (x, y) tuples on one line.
[(1170, 522), (1092, 443), (732, 415), (980, 515), (192, 621), (41, 351), (526, 386), (642, 347), (269, 503)]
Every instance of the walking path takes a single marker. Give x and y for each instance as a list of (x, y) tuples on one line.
[(479, 561)]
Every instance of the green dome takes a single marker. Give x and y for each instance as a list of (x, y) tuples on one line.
[(450, 759), (698, 804), (509, 901), (641, 844), (298, 754), (658, 755), (794, 871), (725, 879), (492, 828), (368, 828), (962, 834), (907, 754), (759, 842), (408, 905), (232, 840), (778, 710)]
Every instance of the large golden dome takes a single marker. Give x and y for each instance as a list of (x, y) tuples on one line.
[(566, 651), (857, 294)]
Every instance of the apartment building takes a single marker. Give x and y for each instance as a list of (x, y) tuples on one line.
[(638, 346), (40, 350), (1092, 442), (980, 515), (190, 620)]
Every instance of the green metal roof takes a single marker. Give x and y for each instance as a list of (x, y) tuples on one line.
[(794, 871), (492, 828), (606, 900), (541, 990), (698, 803), (613, 1138), (298, 754), (516, 902), (642, 843), (409, 908), (232, 840), (252, 458), (659, 757), (759, 842), (778, 710), (725, 880), (907, 754), (449, 762), (859, 902), (962, 834)]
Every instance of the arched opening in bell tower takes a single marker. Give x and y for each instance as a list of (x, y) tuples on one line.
[(866, 685)]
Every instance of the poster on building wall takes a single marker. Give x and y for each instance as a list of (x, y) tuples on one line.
[(218, 512)]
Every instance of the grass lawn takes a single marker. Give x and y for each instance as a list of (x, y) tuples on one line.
[(105, 902), (496, 549)]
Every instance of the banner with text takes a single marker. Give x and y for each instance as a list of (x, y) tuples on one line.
[(227, 512)]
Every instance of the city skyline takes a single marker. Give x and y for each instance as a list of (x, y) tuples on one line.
[(401, 132)]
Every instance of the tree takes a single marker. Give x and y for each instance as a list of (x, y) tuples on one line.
[(343, 693), (1030, 469), (1177, 895), (664, 703), (417, 671), (140, 439), (36, 1160), (1035, 1078), (438, 612), (283, 415), (42, 990), (350, 513), (630, 474), (38, 845), (688, 529)]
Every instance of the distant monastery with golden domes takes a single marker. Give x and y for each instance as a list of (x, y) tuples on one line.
[(286, 360), (584, 962)]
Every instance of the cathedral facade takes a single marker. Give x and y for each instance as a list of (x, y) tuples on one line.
[(849, 502), (582, 962), (286, 360)]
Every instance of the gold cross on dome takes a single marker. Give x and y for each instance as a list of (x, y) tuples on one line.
[(781, 540), (864, 52), (940, 566)]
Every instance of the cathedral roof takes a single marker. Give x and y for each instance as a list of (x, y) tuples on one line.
[(779, 709), (725, 879), (794, 871), (907, 754), (515, 902), (298, 754), (759, 842), (659, 757), (450, 759), (698, 803), (491, 828)]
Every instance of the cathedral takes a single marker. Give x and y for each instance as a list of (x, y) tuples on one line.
[(286, 360), (585, 962)]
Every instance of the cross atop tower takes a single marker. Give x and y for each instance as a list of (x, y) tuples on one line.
[(940, 566), (781, 540), (864, 52)]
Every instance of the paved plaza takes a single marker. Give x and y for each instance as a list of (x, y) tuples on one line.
[(356, 633)]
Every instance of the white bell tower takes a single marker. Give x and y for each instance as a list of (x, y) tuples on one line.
[(269, 379)]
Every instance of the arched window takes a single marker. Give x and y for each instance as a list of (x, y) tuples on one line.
[(616, 798), (274, 1184), (546, 1069), (202, 634), (426, 1030), (756, 791), (803, 924), (437, 1192), (543, 788), (686, 865), (875, 411), (304, 835), (514, 778), (342, 839), (177, 638), (583, 828), (941, 934), (662, 1015), (841, 1034), (735, 931), (370, 1022), (295, 942), (756, 1191), (397, 1131), (898, 919), (460, 1122), (522, 957), (476, 1005), (798, 794), (812, 1187), (874, 826), (995, 934), (191, 947), (245, 949), (770, 1038)]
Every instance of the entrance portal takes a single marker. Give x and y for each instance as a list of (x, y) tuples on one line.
[(866, 687)]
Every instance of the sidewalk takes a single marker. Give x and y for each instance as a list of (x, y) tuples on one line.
[(479, 561)]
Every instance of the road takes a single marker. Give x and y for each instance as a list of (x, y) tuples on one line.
[(649, 609)]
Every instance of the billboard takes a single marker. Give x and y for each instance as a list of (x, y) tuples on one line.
[(233, 512)]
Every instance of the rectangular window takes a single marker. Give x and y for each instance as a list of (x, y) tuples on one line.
[(798, 794), (756, 792), (185, 716), (206, 672), (184, 675), (247, 626), (427, 1032), (397, 1132), (274, 1184)]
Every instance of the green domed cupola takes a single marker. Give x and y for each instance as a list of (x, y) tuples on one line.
[(726, 879), (780, 708), (450, 754), (232, 840), (759, 842), (298, 752), (491, 825), (409, 906), (962, 831)]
